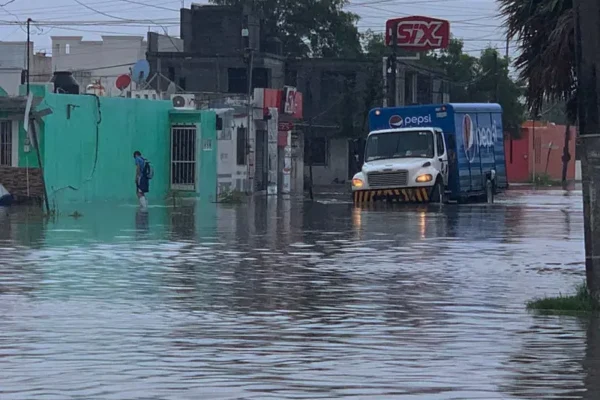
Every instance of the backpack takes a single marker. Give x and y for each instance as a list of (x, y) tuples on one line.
[(148, 170)]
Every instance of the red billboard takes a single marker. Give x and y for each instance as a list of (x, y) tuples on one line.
[(280, 99), (418, 33)]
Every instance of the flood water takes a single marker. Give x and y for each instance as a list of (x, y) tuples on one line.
[(292, 299)]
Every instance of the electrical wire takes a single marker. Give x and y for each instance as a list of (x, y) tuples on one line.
[(98, 121)]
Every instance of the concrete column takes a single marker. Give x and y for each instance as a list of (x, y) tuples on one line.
[(287, 164), (272, 125)]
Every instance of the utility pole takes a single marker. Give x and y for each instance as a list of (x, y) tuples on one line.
[(28, 52), (535, 155), (250, 108), (587, 46), (496, 77), (392, 66)]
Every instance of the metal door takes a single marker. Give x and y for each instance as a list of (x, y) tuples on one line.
[(261, 172), (183, 157)]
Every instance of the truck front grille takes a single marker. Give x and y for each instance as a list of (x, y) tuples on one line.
[(387, 179)]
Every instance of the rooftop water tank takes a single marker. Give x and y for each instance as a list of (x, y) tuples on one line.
[(64, 83)]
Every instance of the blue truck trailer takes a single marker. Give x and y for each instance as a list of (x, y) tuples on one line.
[(433, 153)]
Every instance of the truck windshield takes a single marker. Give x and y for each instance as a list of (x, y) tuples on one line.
[(399, 145)]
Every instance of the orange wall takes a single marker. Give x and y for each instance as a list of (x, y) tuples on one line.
[(547, 138)]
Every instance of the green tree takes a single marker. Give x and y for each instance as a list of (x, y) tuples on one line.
[(373, 44), (482, 80), (308, 28), (461, 69), (494, 84)]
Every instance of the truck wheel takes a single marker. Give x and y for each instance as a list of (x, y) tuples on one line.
[(489, 191), (437, 194)]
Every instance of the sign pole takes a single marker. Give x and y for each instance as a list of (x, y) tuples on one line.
[(392, 65)]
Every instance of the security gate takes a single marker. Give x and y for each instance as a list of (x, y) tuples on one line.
[(183, 157), (6, 135)]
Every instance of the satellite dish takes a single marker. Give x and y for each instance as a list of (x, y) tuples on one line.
[(171, 89), (123, 81), (140, 71)]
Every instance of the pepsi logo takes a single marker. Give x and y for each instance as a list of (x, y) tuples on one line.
[(396, 121), (469, 137)]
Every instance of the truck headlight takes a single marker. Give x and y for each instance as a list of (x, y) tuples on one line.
[(424, 178), (357, 183)]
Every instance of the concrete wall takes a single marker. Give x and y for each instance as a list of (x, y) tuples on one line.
[(226, 161), (87, 155), (297, 174), (41, 68), (337, 164), (209, 29), (521, 158), (10, 80), (105, 59), (213, 44), (211, 73), (13, 54), (158, 42)]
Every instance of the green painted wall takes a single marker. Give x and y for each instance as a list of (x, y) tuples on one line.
[(71, 139), (125, 125), (207, 149), (206, 168)]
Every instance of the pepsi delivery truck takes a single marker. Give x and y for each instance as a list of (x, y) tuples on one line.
[(433, 153)]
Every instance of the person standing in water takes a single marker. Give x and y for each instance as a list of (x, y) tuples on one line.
[(142, 182)]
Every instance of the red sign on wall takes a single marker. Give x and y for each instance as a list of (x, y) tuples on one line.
[(285, 126), (267, 98), (418, 33)]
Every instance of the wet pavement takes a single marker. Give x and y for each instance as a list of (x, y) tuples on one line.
[(292, 299)]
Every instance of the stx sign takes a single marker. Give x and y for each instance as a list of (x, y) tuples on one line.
[(418, 33)]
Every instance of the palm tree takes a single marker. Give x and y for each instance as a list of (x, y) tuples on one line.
[(545, 31)]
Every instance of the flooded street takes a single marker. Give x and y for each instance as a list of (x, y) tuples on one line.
[(291, 299)]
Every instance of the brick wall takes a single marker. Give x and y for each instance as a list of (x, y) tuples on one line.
[(15, 181)]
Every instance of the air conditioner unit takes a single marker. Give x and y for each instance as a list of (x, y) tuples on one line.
[(184, 101)]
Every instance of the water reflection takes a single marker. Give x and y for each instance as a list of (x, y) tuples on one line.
[(560, 357), (292, 299)]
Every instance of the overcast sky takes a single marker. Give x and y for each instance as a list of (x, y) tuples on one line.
[(475, 21)]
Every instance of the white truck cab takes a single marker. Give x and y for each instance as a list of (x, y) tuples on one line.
[(409, 164)]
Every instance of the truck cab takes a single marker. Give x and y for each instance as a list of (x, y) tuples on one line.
[(407, 164)]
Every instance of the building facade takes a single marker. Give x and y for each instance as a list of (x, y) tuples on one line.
[(13, 66), (338, 95), (100, 61), (87, 142), (225, 53), (215, 56)]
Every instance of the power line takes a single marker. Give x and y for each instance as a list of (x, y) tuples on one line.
[(150, 5)]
